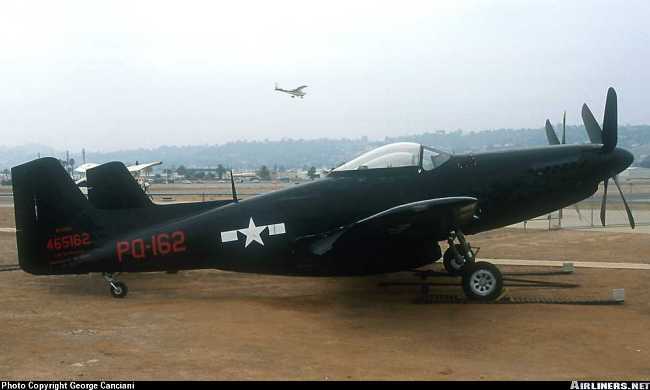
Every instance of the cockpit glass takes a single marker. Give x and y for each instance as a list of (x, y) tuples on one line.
[(432, 159), (402, 154)]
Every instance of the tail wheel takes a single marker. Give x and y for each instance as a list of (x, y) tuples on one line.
[(482, 281), (119, 289), (451, 263)]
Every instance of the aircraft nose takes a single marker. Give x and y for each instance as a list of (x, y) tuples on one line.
[(621, 159)]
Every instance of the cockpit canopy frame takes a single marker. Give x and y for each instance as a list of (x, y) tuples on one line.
[(398, 155)]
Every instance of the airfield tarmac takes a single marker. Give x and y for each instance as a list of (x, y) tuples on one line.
[(219, 325)]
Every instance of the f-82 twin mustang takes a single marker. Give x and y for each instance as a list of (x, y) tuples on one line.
[(384, 211)]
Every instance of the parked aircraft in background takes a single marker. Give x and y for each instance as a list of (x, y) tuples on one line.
[(246, 176), (139, 171)]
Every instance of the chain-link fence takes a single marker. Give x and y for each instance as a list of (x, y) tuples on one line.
[(586, 214)]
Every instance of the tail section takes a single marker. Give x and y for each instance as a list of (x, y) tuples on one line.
[(112, 187), (53, 217)]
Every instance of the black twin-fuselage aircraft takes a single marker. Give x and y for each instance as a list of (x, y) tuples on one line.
[(384, 211)]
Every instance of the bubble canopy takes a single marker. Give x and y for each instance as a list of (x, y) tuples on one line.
[(397, 155)]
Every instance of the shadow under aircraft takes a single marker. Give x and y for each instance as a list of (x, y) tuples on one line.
[(382, 212)]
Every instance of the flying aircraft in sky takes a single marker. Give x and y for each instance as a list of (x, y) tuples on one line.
[(293, 92), (384, 211)]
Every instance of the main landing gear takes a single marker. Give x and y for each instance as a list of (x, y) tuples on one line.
[(458, 255), (481, 281), (118, 289)]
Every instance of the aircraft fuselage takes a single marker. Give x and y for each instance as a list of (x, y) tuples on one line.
[(275, 232)]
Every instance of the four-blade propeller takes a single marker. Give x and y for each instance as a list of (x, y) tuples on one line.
[(607, 136)]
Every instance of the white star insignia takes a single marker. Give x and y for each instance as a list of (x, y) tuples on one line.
[(252, 233)]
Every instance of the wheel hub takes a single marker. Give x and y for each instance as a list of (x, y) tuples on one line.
[(482, 282)]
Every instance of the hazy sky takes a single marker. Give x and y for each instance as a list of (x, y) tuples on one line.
[(109, 75)]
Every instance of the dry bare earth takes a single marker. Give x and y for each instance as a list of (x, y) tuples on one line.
[(8, 250), (219, 325), (214, 325), (567, 245)]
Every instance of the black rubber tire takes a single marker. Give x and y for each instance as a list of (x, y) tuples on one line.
[(121, 290), (451, 269), (471, 286), (447, 261)]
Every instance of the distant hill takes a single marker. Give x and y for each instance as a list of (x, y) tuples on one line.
[(292, 153)]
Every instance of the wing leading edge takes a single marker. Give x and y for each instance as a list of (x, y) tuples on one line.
[(427, 219)]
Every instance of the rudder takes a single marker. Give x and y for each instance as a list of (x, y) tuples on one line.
[(53, 217)]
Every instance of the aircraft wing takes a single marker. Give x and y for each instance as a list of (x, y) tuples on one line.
[(84, 167), (300, 88), (418, 220), (139, 167)]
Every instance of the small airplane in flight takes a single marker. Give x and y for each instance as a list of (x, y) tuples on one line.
[(293, 92), (384, 211)]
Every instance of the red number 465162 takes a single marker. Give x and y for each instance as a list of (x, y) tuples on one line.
[(70, 241)]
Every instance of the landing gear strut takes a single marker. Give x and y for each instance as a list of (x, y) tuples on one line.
[(458, 255), (118, 289), (482, 281)]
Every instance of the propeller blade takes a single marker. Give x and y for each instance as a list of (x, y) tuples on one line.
[(591, 125), (564, 128), (630, 217), (610, 122), (550, 134), (603, 205)]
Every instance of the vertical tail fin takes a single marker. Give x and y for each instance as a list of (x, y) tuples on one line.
[(112, 187), (50, 213)]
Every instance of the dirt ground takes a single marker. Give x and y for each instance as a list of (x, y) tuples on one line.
[(220, 325)]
